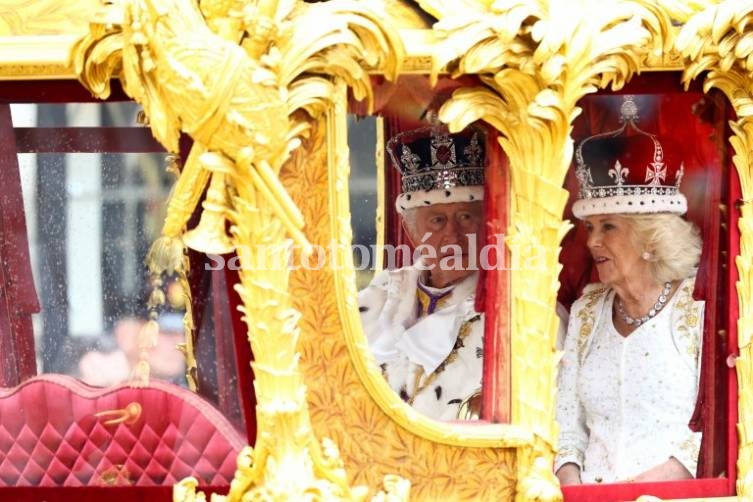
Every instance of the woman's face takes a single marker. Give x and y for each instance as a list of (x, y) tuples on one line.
[(614, 254)]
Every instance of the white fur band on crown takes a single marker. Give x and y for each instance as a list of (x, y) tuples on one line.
[(423, 198), (631, 204)]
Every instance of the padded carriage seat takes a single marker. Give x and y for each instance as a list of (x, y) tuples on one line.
[(58, 431)]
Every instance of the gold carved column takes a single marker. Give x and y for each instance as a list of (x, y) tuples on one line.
[(247, 81), (536, 60)]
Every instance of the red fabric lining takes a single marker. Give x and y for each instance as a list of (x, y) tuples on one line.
[(243, 354), (18, 296), (493, 296), (50, 436), (630, 491)]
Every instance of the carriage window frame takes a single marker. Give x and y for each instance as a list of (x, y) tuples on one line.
[(494, 428), (725, 335), (119, 140)]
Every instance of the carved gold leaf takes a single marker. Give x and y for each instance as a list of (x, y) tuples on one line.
[(246, 85)]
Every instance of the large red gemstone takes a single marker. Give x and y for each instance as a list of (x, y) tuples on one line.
[(444, 154)]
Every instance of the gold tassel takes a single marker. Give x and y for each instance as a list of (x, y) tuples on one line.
[(165, 256)]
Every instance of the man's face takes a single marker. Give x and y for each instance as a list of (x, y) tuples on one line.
[(452, 231)]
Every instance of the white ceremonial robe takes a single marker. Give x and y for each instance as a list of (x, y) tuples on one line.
[(435, 362), (624, 403)]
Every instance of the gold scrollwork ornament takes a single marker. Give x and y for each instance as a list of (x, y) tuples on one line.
[(245, 86)]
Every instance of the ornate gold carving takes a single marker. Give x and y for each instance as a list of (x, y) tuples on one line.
[(682, 10), (189, 330), (209, 234), (718, 40), (670, 60), (246, 107), (537, 59), (35, 57), (382, 204)]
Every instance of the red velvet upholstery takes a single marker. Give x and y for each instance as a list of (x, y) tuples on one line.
[(50, 436)]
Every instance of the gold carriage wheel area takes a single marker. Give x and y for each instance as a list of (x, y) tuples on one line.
[(253, 101)]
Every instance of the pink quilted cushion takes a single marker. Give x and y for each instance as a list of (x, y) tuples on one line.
[(50, 436)]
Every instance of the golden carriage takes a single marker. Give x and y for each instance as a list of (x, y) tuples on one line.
[(260, 91)]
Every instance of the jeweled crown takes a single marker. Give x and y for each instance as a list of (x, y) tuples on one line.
[(437, 166), (628, 170)]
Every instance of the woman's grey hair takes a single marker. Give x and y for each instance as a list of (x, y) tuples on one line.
[(673, 243)]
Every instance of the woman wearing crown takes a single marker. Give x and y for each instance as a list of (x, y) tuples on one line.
[(628, 379)]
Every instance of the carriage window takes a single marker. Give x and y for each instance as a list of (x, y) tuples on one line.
[(424, 315), (91, 186), (83, 197), (91, 218), (364, 176), (687, 164)]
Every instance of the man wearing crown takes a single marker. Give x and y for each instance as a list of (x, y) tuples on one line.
[(420, 320)]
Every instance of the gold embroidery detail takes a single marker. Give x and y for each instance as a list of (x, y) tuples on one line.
[(570, 451), (587, 317), (419, 387), (688, 328)]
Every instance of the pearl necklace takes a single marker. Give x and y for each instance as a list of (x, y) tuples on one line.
[(660, 302)]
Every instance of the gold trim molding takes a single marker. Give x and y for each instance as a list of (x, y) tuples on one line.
[(20, 18), (36, 57)]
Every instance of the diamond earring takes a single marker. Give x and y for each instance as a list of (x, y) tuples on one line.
[(646, 255)]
